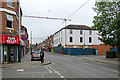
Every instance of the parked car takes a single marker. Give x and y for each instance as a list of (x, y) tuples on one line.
[(35, 55)]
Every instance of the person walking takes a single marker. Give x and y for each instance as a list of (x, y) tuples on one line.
[(42, 56)]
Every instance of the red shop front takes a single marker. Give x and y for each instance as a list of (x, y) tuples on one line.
[(9, 49)]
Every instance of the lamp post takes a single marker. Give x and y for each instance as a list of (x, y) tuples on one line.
[(65, 37), (19, 54), (1, 54)]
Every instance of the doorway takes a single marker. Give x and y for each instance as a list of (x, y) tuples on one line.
[(11, 53)]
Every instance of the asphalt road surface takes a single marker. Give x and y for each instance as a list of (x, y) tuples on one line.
[(62, 66)]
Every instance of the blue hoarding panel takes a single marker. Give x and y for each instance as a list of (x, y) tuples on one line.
[(74, 51)]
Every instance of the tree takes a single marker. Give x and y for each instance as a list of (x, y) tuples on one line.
[(107, 22)]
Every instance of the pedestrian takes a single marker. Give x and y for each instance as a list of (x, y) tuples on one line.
[(42, 56)]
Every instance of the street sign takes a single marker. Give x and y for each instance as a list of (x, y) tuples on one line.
[(7, 39)]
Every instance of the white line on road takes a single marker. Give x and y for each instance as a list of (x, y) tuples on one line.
[(20, 70), (109, 70), (87, 63), (32, 73), (48, 69), (56, 72)]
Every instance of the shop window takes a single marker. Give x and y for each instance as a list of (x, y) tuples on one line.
[(9, 21), (71, 39)]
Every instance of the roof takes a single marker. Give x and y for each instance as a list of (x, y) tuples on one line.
[(77, 27), (83, 27)]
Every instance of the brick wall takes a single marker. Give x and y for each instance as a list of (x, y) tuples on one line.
[(102, 48), (3, 17)]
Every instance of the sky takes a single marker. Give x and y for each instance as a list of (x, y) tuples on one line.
[(42, 28)]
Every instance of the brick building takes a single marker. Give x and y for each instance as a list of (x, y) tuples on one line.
[(24, 37), (102, 48), (9, 28)]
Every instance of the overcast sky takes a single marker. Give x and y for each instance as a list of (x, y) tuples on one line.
[(41, 28)]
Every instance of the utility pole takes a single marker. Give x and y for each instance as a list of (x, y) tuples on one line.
[(19, 54), (65, 35), (63, 19)]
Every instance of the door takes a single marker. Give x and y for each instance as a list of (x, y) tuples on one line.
[(11, 53), (5, 54)]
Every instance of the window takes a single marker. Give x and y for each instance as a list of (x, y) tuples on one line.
[(81, 32), (10, 3), (81, 39), (90, 39), (90, 32), (61, 39), (70, 31), (9, 21), (71, 39)]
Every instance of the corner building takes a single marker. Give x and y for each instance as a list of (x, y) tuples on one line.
[(9, 29)]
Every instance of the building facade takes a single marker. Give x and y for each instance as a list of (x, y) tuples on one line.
[(24, 38), (9, 28), (76, 36)]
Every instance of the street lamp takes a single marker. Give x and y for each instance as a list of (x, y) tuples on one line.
[(65, 37)]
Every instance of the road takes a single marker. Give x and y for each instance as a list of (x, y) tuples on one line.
[(62, 66)]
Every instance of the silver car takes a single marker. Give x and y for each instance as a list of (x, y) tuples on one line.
[(35, 55)]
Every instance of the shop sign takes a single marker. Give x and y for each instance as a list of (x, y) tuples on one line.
[(7, 39), (24, 38)]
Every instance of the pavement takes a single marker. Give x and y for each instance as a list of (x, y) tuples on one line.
[(23, 62), (102, 59), (96, 58)]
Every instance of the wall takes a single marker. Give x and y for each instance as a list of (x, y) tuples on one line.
[(3, 11), (102, 48), (76, 38), (74, 51)]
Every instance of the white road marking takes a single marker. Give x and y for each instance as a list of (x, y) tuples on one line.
[(109, 70), (87, 63), (32, 72), (20, 70), (48, 69), (56, 72)]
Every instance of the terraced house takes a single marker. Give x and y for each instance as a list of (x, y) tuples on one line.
[(9, 29)]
